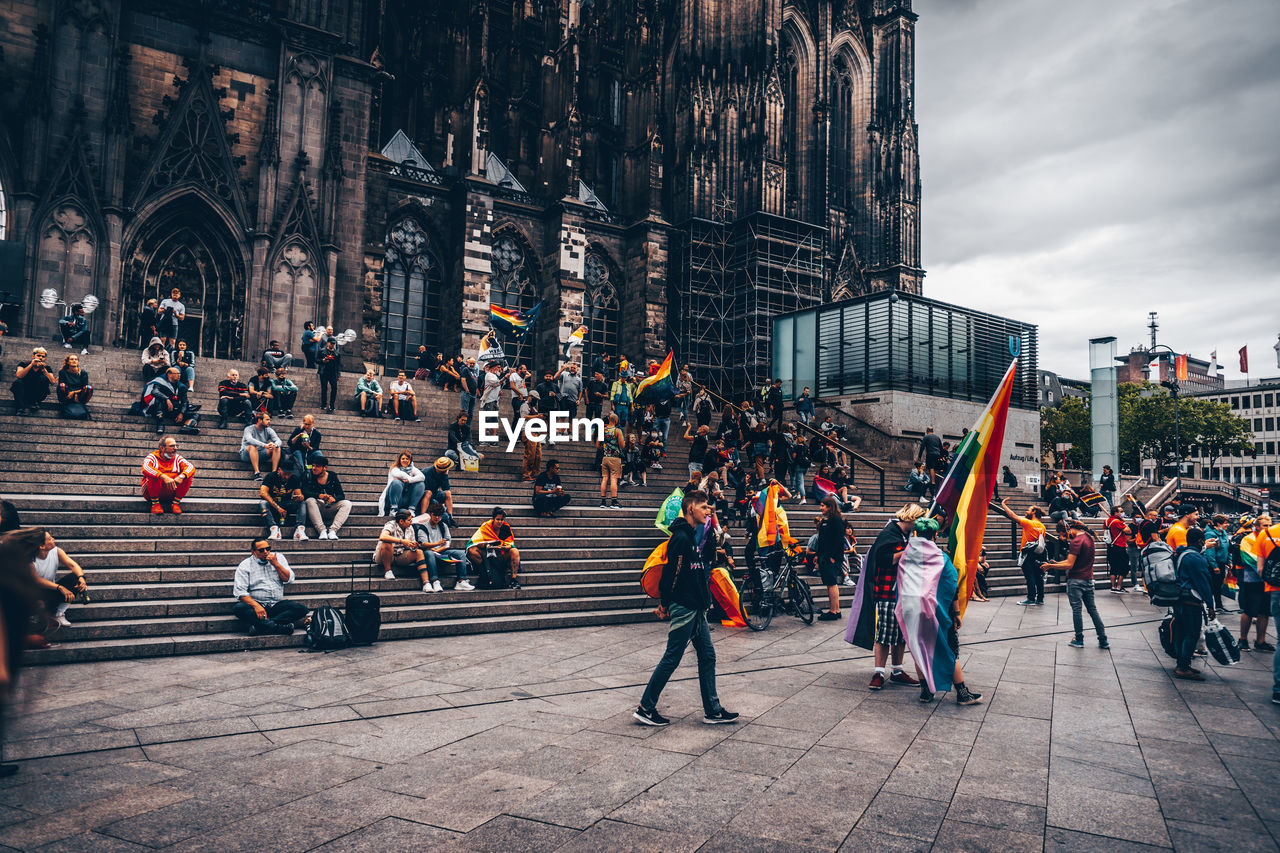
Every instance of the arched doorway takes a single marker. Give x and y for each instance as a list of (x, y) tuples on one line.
[(186, 246)]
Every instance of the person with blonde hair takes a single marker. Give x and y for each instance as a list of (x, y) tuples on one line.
[(405, 486)]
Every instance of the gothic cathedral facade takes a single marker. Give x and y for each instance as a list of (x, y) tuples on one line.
[(668, 173)]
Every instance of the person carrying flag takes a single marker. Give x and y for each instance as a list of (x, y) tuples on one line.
[(874, 624), (685, 591)]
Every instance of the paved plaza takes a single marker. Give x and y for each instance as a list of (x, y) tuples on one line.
[(525, 742)]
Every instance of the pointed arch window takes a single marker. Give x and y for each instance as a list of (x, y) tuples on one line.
[(413, 282), (843, 146), (600, 310), (789, 74), (512, 286)]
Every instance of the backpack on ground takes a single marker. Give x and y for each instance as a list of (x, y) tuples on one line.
[(1160, 574), (75, 411), (1166, 636), (327, 630)]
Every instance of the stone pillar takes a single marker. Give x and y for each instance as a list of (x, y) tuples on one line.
[(477, 263)]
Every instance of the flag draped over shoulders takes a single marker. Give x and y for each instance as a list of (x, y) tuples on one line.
[(927, 585)]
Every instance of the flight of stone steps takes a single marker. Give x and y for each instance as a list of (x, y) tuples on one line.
[(161, 586)]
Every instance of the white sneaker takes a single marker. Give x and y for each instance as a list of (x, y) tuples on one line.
[(62, 620), (465, 586), (435, 585), (84, 351), (333, 534), (426, 587), (275, 532), (389, 576), (66, 346), (300, 533)]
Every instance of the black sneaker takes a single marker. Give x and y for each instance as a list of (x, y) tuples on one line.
[(515, 584), (1275, 697), (650, 718), (719, 718), (1244, 645), (603, 505), (828, 616), (968, 697), (926, 695), (1264, 646), (1103, 644)]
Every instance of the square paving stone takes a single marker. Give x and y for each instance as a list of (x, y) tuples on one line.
[(789, 812), (997, 814), (761, 759), (1201, 838), (972, 838), (863, 840), (486, 796), (898, 814), (506, 834), (1020, 782), (617, 837), (1110, 813), (729, 841), (929, 770), (697, 800), (91, 842)]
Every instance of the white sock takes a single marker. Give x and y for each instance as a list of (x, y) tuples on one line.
[(897, 669), (879, 670)]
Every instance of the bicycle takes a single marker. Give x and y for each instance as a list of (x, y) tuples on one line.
[(761, 592)]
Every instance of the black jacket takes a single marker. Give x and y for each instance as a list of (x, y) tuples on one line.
[(686, 578), (328, 363)]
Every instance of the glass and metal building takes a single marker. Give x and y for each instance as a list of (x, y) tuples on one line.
[(902, 342)]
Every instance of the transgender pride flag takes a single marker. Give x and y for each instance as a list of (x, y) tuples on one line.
[(927, 582)]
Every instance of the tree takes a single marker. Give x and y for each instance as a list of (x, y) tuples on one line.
[(1068, 423), (1221, 432), (1152, 427)]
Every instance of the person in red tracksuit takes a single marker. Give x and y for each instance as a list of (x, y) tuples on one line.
[(166, 476)]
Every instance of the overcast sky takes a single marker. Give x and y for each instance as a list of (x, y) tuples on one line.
[(1086, 162)]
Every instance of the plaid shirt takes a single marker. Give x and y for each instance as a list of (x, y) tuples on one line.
[(884, 574), (259, 579)]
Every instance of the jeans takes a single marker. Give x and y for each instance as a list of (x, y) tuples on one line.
[(686, 626), (317, 512), (283, 401), (1187, 619), (433, 562), (622, 410), (663, 425), (1080, 592), (328, 391), (270, 517), (1034, 576), (300, 461), (467, 448), (76, 339), (797, 480), (232, 408), (1134, 563), (285, 360), (401, 495), (282, 612), (468, 404), (595, 410), (1275, 658), (550, 503), (309, 353), (806, 417)]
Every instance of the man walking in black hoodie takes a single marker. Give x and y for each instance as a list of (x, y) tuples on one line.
[(686, 594)]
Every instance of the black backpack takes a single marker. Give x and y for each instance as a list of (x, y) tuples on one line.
[(327, 630), (1270, 569), (493, 573)]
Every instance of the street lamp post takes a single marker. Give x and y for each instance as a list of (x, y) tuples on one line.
[(1172, 385)]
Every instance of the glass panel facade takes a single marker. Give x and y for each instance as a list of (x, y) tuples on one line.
[(906, 343)]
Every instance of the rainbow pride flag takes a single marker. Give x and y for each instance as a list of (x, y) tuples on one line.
[(512, 321), (773, 520), (963, 497), (656, 388), (927, 584), (823, 488)]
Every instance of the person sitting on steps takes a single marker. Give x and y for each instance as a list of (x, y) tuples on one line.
[(369, 395), (185, 360), (402, 395), (261, 396), (73, 382), (34, 379), (404, 486), (233, 399), (436, 486), (75, 330), (398, 546), (58, 593), (304, 444), (274, 356), (155, 360), (259, 443), (259, 590), (284, 393), (548, 493), (280, 498), (497, 537), (166, 477), (165, 398), (325, 497), (433, 535)]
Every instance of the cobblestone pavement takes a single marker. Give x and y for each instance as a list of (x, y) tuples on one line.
[(525, 742)]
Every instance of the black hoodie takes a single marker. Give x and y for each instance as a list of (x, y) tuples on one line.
[(686, 578)]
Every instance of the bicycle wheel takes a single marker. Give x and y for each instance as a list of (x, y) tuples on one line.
[(756, 606), (801, 598)]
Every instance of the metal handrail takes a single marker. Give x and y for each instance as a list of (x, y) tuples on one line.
[(853, 454)]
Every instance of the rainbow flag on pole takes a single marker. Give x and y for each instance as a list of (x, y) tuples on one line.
[(963, 497), (656, 388), (512, 321)]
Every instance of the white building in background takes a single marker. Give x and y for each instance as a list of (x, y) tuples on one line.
[(1259, 404)]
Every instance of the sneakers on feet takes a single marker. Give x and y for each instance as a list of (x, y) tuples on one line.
[(649, 718), (1244, 645), (1103, 644), (275, 532), (828, 616), (333, 534), (1025, 602), (901, 677), (1077, 643), (465, 586), (426, 587), (436, 587), (720, 717), (300, 533), (968, 698), (388, 575), (1275, 697), (1188, 674), (603, 505), (62, 620), (877, 681), (926, 695), (1264, 646)]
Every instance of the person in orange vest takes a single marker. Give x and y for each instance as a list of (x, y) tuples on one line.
[(1267, 541)]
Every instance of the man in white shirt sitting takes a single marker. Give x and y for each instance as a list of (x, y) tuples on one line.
[(259, 586), (402, 394)]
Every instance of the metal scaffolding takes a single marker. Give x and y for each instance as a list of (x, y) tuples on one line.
[(733, 277)]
